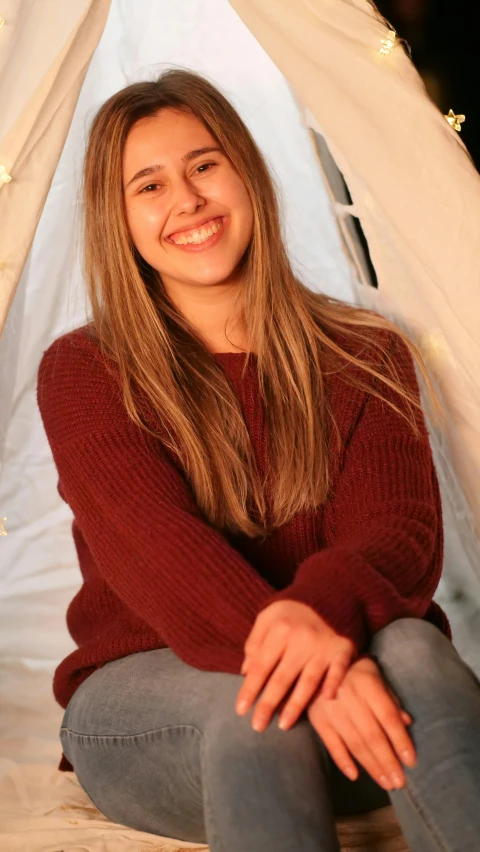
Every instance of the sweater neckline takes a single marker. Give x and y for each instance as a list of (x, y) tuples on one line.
[(234, 362), (229, 354)]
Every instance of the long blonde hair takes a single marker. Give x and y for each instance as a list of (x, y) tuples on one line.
[(292, 330)]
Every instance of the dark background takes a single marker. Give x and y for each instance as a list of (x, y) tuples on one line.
[(446, 52)]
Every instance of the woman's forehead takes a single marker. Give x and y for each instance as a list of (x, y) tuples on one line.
[(167, 135)]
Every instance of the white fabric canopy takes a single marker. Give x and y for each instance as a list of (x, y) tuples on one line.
[(414, 189), (45, 49), (290, 66)]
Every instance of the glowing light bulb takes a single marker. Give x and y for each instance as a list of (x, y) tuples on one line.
[(4, 176), (388, 43)]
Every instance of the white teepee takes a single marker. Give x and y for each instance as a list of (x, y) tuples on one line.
[(305, 75)]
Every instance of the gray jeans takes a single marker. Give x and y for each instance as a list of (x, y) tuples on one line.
[(157, 745)]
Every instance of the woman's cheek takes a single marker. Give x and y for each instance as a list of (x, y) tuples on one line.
[(145, 226)]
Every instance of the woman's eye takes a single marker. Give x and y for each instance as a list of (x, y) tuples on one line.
[(206, 166)]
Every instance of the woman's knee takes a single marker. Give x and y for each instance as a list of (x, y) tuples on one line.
[(412, 646), (417, 658), (229, 739), (409, 640)]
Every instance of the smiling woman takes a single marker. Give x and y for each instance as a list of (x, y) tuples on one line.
[(195, 222), (193, 202), (216, 513)]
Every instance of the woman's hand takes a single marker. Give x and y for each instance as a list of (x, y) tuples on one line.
[(366, 721), (292, 637)]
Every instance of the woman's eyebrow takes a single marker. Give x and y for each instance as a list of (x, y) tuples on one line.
[(150, 170)]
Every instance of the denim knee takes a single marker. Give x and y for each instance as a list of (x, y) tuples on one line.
[(231, 740), (425, 670), (414, 650)]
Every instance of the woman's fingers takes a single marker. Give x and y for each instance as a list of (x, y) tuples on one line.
[(336, 673), (406, 716), (389, 716), (370, 723), (305, 689), (279, 684), (337, 750), (342, 738), (259, 669), (308, 683), (368, 744)]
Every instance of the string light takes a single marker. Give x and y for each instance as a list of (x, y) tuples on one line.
[(4, 176), (392, 39), (1, 22), (388, 43), (455, 121), (2, 528)]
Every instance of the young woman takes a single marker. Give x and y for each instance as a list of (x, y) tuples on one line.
[(254, 495)]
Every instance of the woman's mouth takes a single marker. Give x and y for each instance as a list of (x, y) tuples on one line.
[(201, 238)]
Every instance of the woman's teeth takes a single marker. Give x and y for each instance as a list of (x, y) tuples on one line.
[(199, 236)]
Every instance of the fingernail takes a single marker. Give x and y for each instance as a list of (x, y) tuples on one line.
[(351, 772), (408, 757), (284, 722), (385, 782), (241, 706), (397, 780)]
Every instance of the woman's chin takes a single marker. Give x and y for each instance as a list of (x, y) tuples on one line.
[(212, 277)]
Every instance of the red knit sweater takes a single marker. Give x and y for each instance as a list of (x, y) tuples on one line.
[(156, 574)]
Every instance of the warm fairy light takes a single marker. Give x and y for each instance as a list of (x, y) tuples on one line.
[(1, 22), (392, 39), (455, 121), (4, 176), (388, 43), (2, 528)]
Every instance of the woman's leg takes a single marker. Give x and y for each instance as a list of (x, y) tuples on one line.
[(158, 746), (439, 808)]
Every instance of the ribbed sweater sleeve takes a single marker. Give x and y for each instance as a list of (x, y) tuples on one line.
[(139, 519), (384, 523)]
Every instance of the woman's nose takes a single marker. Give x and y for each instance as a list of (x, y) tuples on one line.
[(186, 197)]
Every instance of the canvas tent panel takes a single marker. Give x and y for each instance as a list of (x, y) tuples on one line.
[(38, 566), (421, 228)]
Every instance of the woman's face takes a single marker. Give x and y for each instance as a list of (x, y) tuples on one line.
[(190, 216)]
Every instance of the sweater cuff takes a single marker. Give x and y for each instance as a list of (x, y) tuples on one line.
[(324, 582)]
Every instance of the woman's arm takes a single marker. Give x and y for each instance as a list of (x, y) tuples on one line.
[(139, 519), (384, 553)]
